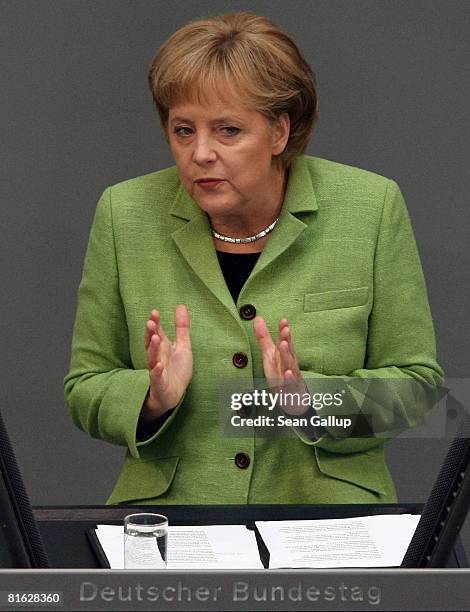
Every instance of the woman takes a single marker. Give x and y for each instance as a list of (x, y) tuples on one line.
[(206, 272)]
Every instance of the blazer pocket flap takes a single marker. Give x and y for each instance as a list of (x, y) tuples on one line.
[(361, 469), (340, 298), (144, 479)]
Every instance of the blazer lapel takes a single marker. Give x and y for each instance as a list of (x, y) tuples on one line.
[(299, 198), (195, 244)]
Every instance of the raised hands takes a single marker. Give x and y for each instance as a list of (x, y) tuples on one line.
[(170, 364)]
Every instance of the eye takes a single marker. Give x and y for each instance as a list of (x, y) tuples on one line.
[(183, 131), (230, 130)]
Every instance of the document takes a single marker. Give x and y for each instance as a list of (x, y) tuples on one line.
[(364, 541), (202, 547)]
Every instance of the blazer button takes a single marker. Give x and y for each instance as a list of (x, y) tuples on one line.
[(245, 411), (242, 460), (240, 360), (247, 312)]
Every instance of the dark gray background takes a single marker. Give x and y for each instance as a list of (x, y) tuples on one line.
[(77, 116)]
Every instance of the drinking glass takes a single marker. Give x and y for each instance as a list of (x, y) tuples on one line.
[(145, 541)]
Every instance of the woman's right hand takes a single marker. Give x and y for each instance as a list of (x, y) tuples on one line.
[(170, 364)]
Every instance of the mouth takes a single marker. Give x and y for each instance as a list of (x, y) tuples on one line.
[(209, 183)]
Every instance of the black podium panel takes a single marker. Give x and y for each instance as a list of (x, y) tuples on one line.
[(64, 529)]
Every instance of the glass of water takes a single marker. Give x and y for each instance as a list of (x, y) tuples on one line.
[(145, 541)]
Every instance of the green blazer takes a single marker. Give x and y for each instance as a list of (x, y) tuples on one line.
[(341, 265)]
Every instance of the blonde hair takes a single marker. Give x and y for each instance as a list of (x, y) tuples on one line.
[(242, 50)]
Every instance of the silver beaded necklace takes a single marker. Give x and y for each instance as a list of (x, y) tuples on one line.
[(254, 238)]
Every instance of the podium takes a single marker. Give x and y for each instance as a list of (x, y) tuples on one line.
[(64, 528)]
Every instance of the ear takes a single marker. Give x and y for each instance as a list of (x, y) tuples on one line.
[(280, 133)]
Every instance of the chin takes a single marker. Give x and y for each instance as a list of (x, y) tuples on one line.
[(214, 207)]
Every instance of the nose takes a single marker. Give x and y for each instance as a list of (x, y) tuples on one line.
[(204, 150)]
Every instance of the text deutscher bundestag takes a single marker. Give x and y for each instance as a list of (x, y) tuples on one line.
[(285, 400)]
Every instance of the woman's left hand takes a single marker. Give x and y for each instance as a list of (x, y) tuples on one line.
[(280, 363)]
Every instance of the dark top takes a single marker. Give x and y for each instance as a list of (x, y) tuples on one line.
[(236, 268)]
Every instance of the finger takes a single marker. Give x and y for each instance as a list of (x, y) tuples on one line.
[(182, 323), (288, 377), (287, 359), (155, 316), (150, 330), (162, 335), (158, 376), (152, 326), (159, 379), (285, 334), (153, 351), (263, 336), (157, 371), (281, 326), (295, 366)]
